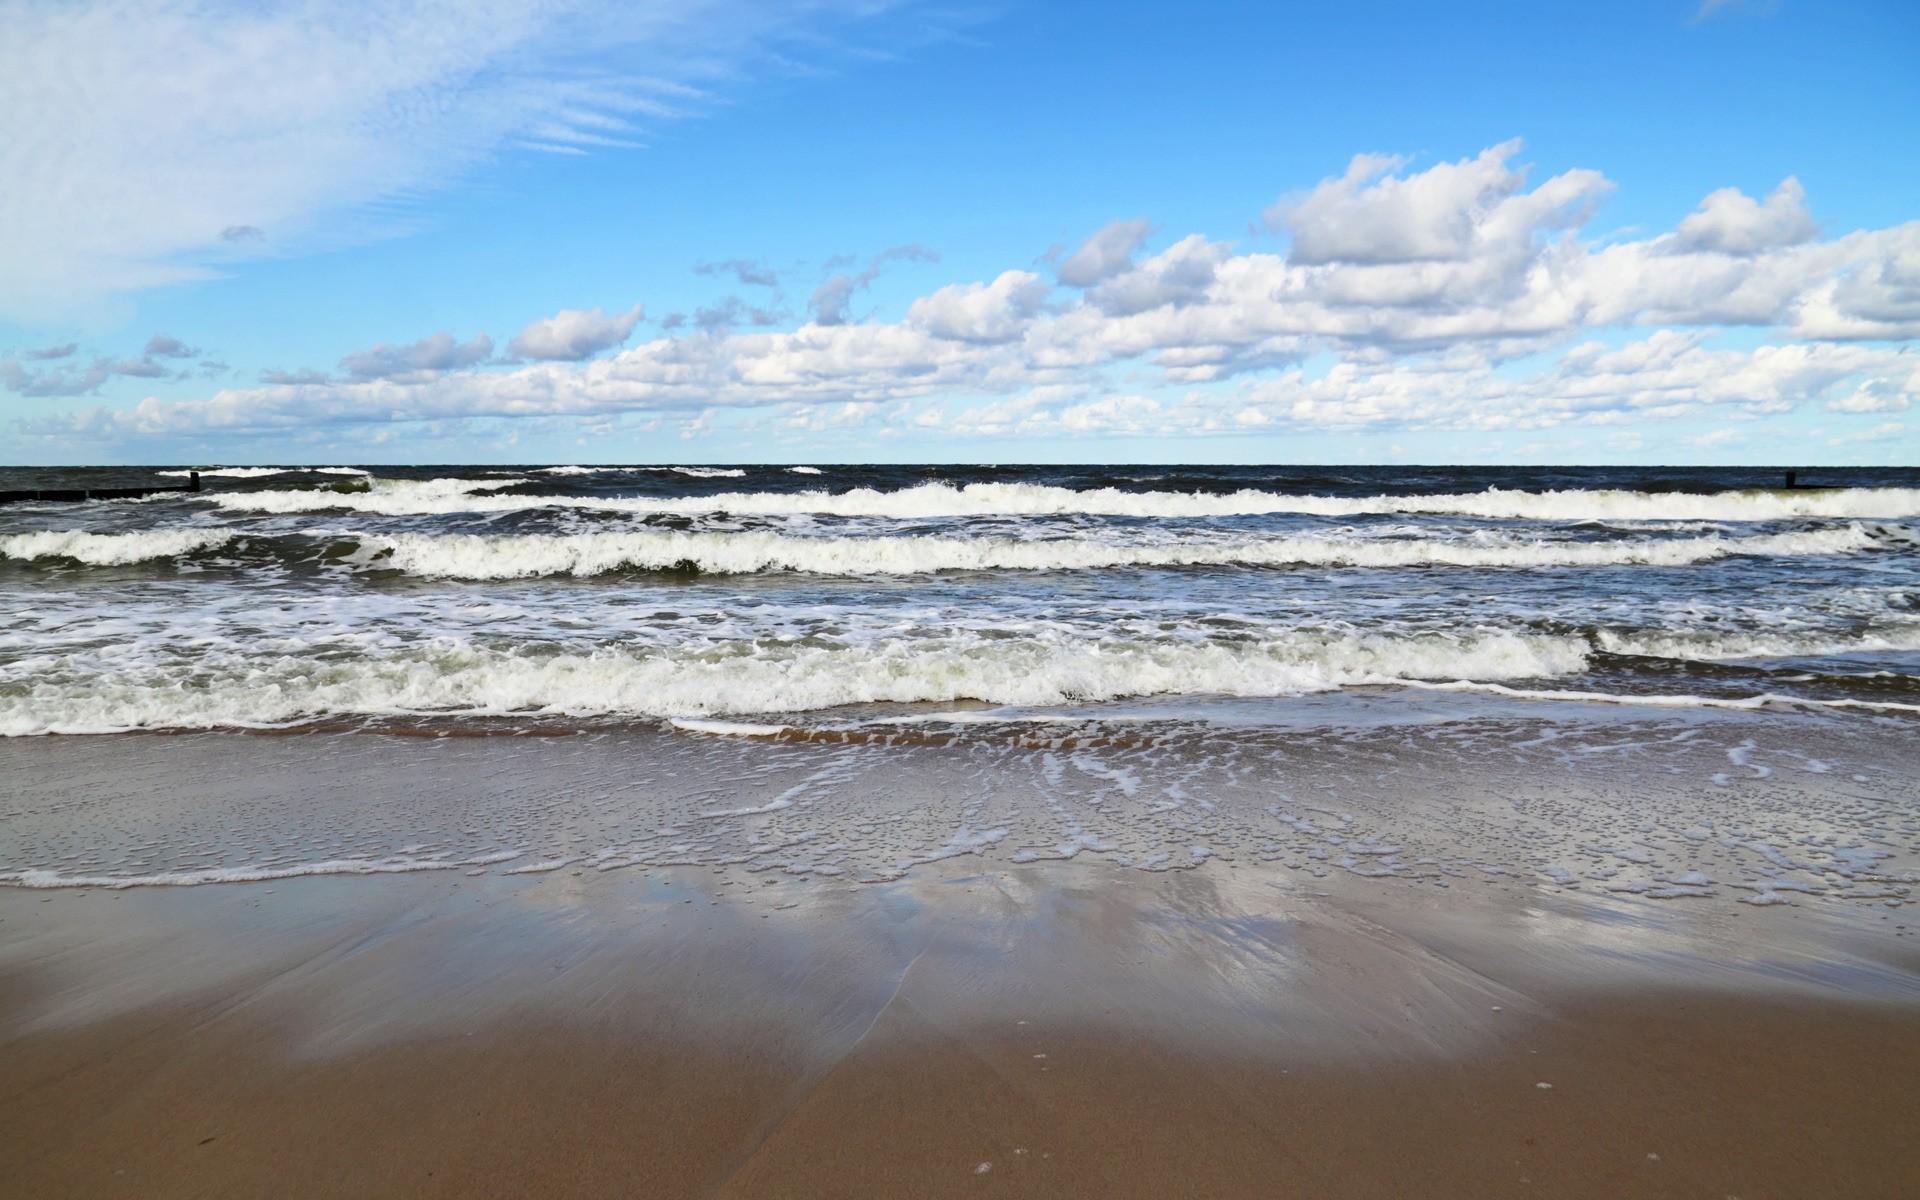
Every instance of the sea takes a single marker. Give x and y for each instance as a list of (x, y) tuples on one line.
[(1136, 644)]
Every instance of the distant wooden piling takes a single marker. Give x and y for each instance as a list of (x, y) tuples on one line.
[(28, 495)]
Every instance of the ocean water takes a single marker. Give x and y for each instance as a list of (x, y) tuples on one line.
[(782, 595), (1659, 684)]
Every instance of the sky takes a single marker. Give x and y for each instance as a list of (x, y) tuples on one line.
[(695, 231)]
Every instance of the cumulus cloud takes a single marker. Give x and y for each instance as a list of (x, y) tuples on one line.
[(832, 302), (981, 312), (1443, 214), (162, 346), (48, 353), (573, 334), (69, 379), (428, 356), (750, 272), (1422, 288), (1665, 376), (303, 376), (147, 142), (1106, 253), (1733, 222), (731, 313)]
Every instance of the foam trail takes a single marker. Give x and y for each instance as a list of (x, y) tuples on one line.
[(1735, 703), (40, 878), (112, 549), (479, 557), (1714, 646), (708, 679), (407, 497)]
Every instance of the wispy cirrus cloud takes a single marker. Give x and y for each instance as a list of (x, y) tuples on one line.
[(149, 142)]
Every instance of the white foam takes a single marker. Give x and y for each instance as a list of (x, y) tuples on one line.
[(263, 472), (1757, 703), (391, 496), (112, 549), (728, 728), (396, 865), (804, 470), (720, 679), (475, 556), (235, 472), (394, 497), (1716, 645)]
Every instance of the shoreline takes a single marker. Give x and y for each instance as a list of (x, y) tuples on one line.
[(1346, 994)]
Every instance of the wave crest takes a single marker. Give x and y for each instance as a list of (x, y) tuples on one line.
[(393, 497), (453, 677), (482, 557), (112, 549)]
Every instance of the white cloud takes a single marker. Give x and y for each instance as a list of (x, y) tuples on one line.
[(573, 334), (1472, 270), (162, 346), (975, 312), (1105, 254), (1665, 376), (147, 142), (1448, 213), (1733, 222), (832, 302), (418, 360)]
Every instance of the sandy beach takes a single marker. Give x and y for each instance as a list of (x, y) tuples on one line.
[(974, 1025)]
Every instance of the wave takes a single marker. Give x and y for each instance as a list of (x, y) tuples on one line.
[(804, 470), (480, 557), (1720, 645), (696, 472), (1764, 701), (452, 677), (395, 497), (112, 549)]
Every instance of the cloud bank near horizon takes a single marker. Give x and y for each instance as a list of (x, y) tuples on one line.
[(1462, 296)]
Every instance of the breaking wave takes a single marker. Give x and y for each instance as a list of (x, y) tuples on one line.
[(1719, 646), (481, 557), (394, 497), (462, 678), (112, 549)]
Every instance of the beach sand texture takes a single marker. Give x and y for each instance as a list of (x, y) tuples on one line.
[(988, 1020)]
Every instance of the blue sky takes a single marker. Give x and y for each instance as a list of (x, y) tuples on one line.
[(714, 230)]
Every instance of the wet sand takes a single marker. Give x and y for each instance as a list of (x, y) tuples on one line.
[(1070, 1030), (1046, 1028)]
